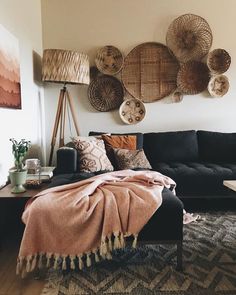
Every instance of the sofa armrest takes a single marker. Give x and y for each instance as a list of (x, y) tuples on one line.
[(66, 160)]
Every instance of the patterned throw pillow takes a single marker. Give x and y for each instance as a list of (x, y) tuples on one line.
[(118, 141), (130, 159), (92, 154)]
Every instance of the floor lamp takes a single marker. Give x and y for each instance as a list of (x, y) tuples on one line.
[(66, 67)]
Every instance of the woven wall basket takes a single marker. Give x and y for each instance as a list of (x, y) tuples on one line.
[(189, 37), (218, 86), (193, 77), (218, 61), (105, 93), (109, 60), (149, 72), (132, 111)]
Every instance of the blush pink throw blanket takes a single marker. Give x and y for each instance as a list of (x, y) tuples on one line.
[(72, 223)]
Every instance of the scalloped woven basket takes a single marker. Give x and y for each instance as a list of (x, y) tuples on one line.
[(105, 93), (193, 77), (149, 72), (189, 37), (218, 86), (218, 61), (109, 60)]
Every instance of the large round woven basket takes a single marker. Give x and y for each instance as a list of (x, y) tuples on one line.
[(218, 61), (109, 60), (105, 93), (132, 111), (189, 37), (149, 72), (193, 77), (218, 86)]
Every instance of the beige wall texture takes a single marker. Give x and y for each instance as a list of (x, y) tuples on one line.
[(23, 20), (87, 25)]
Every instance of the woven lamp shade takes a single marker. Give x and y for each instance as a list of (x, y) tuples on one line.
[(65, 66)]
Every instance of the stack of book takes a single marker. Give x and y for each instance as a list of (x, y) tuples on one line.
[(46, 173)]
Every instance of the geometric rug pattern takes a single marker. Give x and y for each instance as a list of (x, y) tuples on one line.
[(209, 260)]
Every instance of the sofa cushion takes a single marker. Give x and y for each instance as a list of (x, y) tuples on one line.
[(198, 178), (139, 137), (179, 146), (92, 154), (131, 159), (217, 146)]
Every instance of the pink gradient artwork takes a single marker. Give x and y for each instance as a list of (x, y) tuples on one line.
[(10, 94)]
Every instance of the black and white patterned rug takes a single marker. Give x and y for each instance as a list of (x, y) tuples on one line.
[(209, 254)]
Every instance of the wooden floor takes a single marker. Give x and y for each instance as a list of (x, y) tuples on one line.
[(10, 284)]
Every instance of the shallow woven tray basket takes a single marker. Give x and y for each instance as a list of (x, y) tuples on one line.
[(218, 86), (105, 93), (150, 71), (218, 61), (189, 37), (109, 60), (193, 77)]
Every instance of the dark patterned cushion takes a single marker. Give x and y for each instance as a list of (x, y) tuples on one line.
[(92, 154), (131, 159)]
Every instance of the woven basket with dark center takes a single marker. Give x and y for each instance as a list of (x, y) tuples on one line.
[(189, 37), (149, 72), (218, 61), (193, 77), (109, 60), (105, 93)]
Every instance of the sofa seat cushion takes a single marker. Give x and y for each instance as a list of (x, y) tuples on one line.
[(200, 179)]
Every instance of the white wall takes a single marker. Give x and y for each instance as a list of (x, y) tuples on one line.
[(23, 20), (86, 25)]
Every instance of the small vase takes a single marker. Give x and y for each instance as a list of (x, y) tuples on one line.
[(18, 179)]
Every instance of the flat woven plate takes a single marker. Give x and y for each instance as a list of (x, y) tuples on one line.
[(132, 111), (189, 37), (193, 77), (218, 61), (149, 72), (109, 60), (105, 93), (218, 86)]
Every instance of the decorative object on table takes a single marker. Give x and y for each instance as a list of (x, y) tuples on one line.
[(10, 88), (177, 96), (189, 37), (218, 61), (18, 173), (193, 77), (44, 174), (149, 72), (105, 93), (66, 67), (33, 167), (218, 86), (132, 111), (109, 60)]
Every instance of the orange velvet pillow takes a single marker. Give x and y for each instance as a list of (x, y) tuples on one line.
[(128, 142)]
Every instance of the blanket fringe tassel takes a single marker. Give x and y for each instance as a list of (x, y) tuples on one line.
[(39, 260)]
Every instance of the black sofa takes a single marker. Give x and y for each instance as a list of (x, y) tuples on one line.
[(197, 161)]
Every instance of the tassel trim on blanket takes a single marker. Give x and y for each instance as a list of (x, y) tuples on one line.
[(31, 262)]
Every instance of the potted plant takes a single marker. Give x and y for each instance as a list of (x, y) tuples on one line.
[(18, 173)]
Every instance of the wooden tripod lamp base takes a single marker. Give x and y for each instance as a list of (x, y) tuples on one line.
[(64, 101)]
